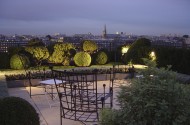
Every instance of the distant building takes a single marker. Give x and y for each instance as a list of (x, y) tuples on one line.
[(4, 45), (104, 34)]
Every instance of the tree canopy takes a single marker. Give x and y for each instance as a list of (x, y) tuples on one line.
[(138, 50), (61, 52), (89, 46), (39, 53)]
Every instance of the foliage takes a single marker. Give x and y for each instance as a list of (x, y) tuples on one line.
[(56, 57), (39, 53), (15, 50), (109, 117), (34, 75), (138, 50), (50, 48), (101, 58), (89, 46), (17, 111), (82, 59), (155, 99), (66, 61), (61, 52), (19, 62), (179, 58), (4, 60)]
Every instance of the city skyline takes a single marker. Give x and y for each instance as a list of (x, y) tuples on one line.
[(141, 17)]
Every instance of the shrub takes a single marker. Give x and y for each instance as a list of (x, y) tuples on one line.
[(66, 62), (138, 50), (82, 59), (101, 58), (19, 62), (4, 61), (39, 53), (89, 46), (61, 52), (15, 50), (178, 58), (156, 99), (17, 111)]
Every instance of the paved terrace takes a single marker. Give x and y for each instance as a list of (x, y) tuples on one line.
[(50, 116)]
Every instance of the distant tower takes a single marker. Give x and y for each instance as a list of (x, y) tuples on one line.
[(104, 32)]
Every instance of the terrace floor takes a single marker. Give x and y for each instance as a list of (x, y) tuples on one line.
[(50, 116)]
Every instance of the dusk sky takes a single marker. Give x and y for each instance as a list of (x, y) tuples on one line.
[(141, 17)]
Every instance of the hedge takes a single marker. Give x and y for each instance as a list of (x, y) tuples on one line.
[(178, 58)]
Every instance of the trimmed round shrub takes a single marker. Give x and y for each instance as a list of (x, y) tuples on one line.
[(82, 59), (17, 111), (89, 46), (101, 58), (19, 62)]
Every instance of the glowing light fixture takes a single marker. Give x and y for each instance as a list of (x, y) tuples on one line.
[(124, 50), (153, 55)]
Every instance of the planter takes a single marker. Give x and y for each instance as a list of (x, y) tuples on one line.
[(22, 83), (17, 83)]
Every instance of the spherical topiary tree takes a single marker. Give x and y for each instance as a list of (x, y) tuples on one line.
[(101, 58), (17, 111), (19, 62), (89, 46), (82, 59)]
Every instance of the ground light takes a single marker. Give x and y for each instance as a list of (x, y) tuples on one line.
[(152, 56), (124, 49)]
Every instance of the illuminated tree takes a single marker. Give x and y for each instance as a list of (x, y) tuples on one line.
[(138, 50), (82, 59), (101, 58), (39, 53), (61, 52), (19, 62), (89, 46)]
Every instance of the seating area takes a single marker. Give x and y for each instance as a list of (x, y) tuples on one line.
[(82, 96), (71, 97)]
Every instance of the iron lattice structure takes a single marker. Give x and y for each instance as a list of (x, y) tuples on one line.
[(81, 96)]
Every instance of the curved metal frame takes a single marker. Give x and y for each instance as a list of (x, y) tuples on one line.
[(80, 98)]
